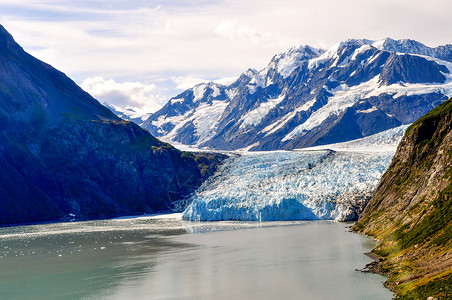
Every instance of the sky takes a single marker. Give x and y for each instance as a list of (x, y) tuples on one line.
[(140, 53)]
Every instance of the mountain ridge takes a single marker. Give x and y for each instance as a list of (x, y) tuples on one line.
[(410, 212), (306, 95), (65, 156)]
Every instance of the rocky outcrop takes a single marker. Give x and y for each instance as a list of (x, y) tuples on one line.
[(65, 156), (411, 211)]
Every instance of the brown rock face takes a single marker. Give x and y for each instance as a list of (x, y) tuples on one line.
[(411, 211)]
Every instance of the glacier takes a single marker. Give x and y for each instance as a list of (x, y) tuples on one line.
[(331, 182)]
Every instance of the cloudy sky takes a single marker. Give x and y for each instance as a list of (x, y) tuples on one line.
[(140, 53)]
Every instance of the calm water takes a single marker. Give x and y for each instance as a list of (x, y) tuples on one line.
[(165, 258)]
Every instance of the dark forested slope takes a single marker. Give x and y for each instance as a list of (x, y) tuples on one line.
[(63, 155)]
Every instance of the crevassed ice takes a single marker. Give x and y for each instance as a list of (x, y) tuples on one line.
[(296, 185)]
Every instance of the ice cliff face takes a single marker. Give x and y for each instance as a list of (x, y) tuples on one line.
[(308, 96), (310, 184)]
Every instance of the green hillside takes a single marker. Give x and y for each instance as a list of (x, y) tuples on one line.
[(411, 211)]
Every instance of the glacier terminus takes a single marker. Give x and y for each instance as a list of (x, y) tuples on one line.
[(331, 182)]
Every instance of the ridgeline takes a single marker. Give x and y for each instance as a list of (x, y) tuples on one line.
[(411, 211)]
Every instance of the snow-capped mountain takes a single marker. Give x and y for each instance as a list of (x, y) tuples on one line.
[(307, 96), (308, 184), (133, 114)]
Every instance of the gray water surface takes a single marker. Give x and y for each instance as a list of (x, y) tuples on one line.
[(166, 258)]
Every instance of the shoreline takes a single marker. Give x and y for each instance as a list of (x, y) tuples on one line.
[(375, 266), (75, 220)]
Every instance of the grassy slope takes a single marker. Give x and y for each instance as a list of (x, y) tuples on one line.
[(411, 211)]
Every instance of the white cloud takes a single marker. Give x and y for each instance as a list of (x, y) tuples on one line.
[(179, 43), (230, 29), (124, 94), (186, 82), (226, 80)]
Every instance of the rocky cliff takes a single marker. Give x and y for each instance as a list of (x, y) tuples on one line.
[(65, 156), (411, 211)]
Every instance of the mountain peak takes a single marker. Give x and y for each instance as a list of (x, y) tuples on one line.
[(402, 45), (307, 96), (31, 81), (4, 33), (356, 42), (410, 46), (304, 49), (286, 62), (72, 157), (7, 41), (251, 72)]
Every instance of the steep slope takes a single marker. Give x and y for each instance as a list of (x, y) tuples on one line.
[(411, 211), (308, 96), (63, 155)]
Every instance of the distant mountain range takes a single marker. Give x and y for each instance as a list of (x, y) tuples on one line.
[(308, 96), (134, 114), (64, 156)]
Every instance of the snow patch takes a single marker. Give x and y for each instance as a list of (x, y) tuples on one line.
[(255, 116), (379, 44), (255, 82), (231, 93), (360, 50), (373, 58), (179, 100), (367, 111), (206, 117), (285, 63), (326, 56), (216, 90), (129, 112), (272, 128), (343, 97), (245, 150), (412, 89), (198, 92)]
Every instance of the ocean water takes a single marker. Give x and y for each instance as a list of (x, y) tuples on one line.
[(167, 258)]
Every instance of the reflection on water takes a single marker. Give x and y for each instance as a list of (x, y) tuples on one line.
[(165, 258)]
